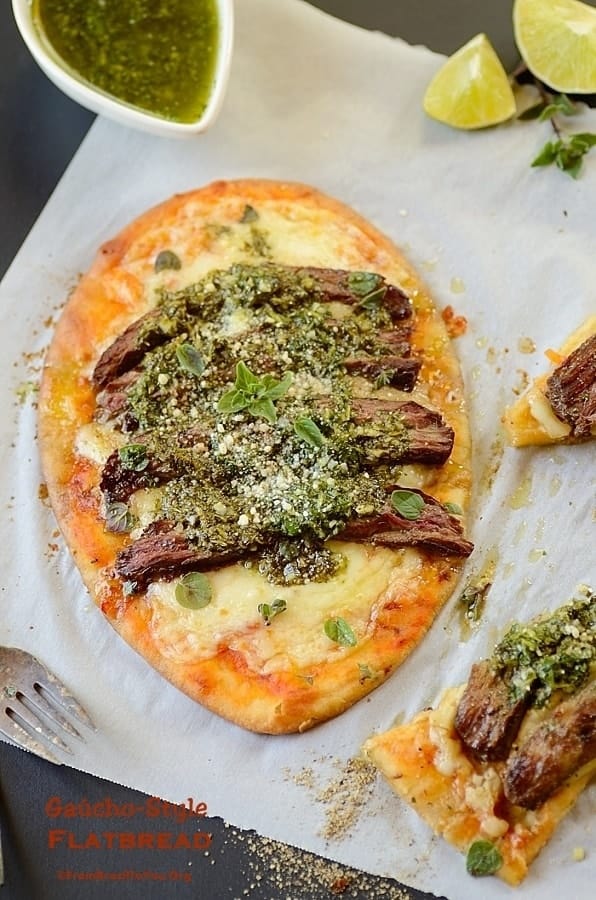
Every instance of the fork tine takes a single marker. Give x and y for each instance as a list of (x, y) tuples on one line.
[(35, 705), (19, 710), (38, 704), (43, 681), (11, 729), (61, 697)]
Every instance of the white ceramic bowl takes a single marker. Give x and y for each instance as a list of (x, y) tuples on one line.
[(104, 104)]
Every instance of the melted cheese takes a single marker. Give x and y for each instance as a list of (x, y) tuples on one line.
[(96, 442), (482, 790), (542, 412), (295, 637), (321, 241), (531, 419), (145, 507), (449, 757)]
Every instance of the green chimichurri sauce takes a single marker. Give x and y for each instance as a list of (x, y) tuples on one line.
[(247, 405), (153, 54), (552, 653)]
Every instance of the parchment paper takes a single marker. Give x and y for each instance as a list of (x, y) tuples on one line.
[(510, 247)]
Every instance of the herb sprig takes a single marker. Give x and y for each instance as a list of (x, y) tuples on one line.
[(270, 610), (568, 150), (254, 393)]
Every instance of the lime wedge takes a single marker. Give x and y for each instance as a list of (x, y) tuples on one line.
[(471, 89), (557, 41)]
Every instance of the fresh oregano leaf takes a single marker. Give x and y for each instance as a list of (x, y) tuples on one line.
[(383, 378), (584, 139), (166, 259), (190, 359), (454, 508), (270, 610), (308, 431), (275, 389), (567, 153), (254, 393), (364, 283), (533, 112), (548, 154), (263, 408), (560, 105), (373, 300), (246, 381), (339, 631), (194, 591), (134, 457), (118, 517), (408, 504), (232, 401), (249, 215), (570, 161), (483, 858), (366, 673), (472, 600)]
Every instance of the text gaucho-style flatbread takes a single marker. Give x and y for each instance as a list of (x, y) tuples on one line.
[(254, 439)]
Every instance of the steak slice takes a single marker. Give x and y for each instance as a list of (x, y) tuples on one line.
[(334, 286), (112, 400), (398, 371), (430, 440), (398, 340), (130, 347), (118, 481), (486, 719), (434, 527), (554, 751), (163, 552), (571, 389)]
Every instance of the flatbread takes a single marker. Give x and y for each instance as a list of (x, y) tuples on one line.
[(269, 674)]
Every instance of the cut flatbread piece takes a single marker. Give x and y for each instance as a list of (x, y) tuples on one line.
[(559, 407)]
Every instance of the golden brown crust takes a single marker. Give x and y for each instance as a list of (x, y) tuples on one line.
[(114, 293)]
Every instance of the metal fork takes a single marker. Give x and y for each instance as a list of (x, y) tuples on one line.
[(32, 707), (35, 707)]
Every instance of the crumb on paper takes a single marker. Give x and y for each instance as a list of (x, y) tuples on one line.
[(457, 285), (491, 356), (524, 382), (526, 345), (493, 464), (343, 797), (287, 873), (25, 391), (305, 778), (578, 854), (456, 325)]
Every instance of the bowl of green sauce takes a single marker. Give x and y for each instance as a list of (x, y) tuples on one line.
[(157, 65)]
